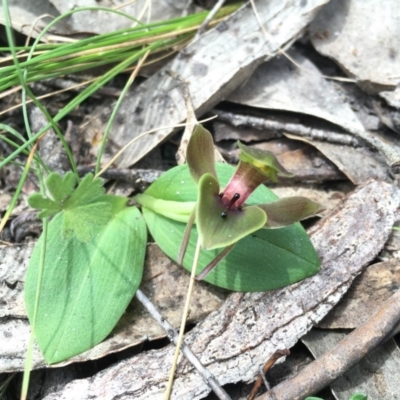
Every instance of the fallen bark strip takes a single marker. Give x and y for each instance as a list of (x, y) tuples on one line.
[(347, 353), (235, 341)]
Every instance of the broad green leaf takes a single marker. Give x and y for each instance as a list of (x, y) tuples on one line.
[(86, 286), (264, 260), (358, 396)]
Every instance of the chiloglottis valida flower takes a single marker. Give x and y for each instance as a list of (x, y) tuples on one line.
[(221, 215)]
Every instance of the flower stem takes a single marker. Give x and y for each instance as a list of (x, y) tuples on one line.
[(183, 321), (177, 210)]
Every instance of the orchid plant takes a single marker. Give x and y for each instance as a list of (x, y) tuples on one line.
[(88, 263), (222, 217)]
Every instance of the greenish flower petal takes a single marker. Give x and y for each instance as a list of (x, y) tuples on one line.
[(219, 227), (200, 154), (289, 210)]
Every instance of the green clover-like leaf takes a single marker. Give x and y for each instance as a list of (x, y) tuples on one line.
[(86, 209)]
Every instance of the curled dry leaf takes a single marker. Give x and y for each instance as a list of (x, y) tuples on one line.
[(352, 33), (281, 85)]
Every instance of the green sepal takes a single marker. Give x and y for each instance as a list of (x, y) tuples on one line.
[(200, 153), (86, 287), (358, 396), (289, 210)]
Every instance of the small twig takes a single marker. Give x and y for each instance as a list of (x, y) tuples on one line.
[(272, 360), (209, 18), (188, 353), (290, 127), (354, 138), (346, 354)]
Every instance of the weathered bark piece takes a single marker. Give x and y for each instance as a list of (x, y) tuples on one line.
[(377, 375), (235, 341), (369, 291), (13, 263), (352, 33), (163, 281), (212, 67), (392, 98)]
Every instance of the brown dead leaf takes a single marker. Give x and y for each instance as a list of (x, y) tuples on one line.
[(352, 32), (281, 85)]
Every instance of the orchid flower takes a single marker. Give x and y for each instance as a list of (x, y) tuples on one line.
[(222, 216)]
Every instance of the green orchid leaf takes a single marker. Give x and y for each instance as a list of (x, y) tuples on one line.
[(264, 260), (314, 398), (218, 227), (264, 160), (85, 220), (358, 396), (84, 209), (289, 210), (200, 153), (86, 287)]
